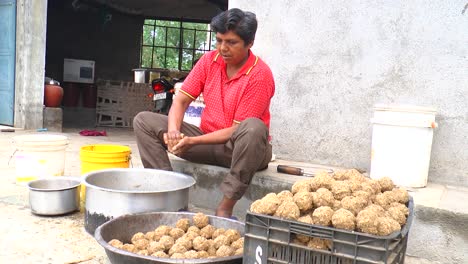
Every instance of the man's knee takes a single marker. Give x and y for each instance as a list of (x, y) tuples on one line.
[(149, 119), (254, 127), (139, 119)]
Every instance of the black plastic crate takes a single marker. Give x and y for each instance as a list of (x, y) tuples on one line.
[(268, 239)]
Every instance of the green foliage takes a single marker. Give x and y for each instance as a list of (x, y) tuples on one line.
[(174, 44)]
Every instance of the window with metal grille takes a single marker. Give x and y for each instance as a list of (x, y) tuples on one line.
[(174, 44)]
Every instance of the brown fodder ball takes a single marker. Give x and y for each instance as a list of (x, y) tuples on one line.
[(183, 223), (176, 233), (160, 231), (221, 240), (354, 185), (270, 204), (201, 220), (314, 184), (318, 243), (323, 197), (324, 180), (167, 242), (177, 248), (191, 254), (401, 195), (266, 206), (207, 231), (212, 250), (300, 186), (193, 229), (141, 244), (375, 186), (355, 175), (178, 255), (129, 247), (203, 254), (306, 219), (304, 200), (376, 208), (353, 204), (155, 246), (150, 235), (401, 207), (143, 252), (239, 243), (336, 205), (344, 219), (385, 199), (303, 238), (201, 243), (322, 216), (116, 243), (256, 208), (365, 186), (225, 251), (137, 236), (387, 225), (364, 196), (288, 210), (185, 241), (160, 254), (285, 195), (239, 251), (340, 175), (397, 215), (386, 184), (366, 221), (218, 232), (232, 235), (190, 235), (298, 242), (340, 189)]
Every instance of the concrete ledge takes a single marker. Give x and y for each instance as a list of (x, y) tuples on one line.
[(206, 193), (439, 233)]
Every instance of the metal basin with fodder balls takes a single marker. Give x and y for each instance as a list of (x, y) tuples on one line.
[(124, 227), (114, 192)]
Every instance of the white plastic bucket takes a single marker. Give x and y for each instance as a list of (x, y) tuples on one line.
[(401, 144), (39, 156)]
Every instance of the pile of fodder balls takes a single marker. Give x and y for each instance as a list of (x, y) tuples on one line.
[(194, 239), (344, 199)]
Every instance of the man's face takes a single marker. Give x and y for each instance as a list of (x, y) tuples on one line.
[(232, 48)]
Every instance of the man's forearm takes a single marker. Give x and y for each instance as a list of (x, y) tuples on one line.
[(216, 137), (176, 114)]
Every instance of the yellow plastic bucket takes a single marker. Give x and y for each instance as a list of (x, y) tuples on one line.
[(99, 157)]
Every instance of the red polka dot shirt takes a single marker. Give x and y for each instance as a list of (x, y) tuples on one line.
[(227, 101)]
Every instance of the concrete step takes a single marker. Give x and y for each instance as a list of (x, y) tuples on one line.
[(439, 232)]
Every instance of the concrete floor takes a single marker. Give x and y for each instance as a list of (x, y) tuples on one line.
[(28, 238)]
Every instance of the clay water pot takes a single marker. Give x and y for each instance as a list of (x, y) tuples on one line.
[(53, 95)]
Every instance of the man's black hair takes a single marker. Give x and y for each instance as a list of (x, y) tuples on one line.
[(243, 23)]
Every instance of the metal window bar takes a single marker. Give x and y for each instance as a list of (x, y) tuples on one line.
[(179, 47)]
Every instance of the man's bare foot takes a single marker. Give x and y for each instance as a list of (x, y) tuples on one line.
[(225, 207)]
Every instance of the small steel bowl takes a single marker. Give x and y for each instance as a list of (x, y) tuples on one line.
[(54, 196)]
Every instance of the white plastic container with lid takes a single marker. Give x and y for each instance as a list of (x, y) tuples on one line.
[(402, 143)]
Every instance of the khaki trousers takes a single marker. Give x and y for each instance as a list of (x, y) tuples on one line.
[(246, 152)]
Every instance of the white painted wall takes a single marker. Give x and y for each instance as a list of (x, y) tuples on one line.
[(334, 60)]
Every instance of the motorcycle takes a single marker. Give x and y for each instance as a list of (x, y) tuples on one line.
[(163, 92)]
